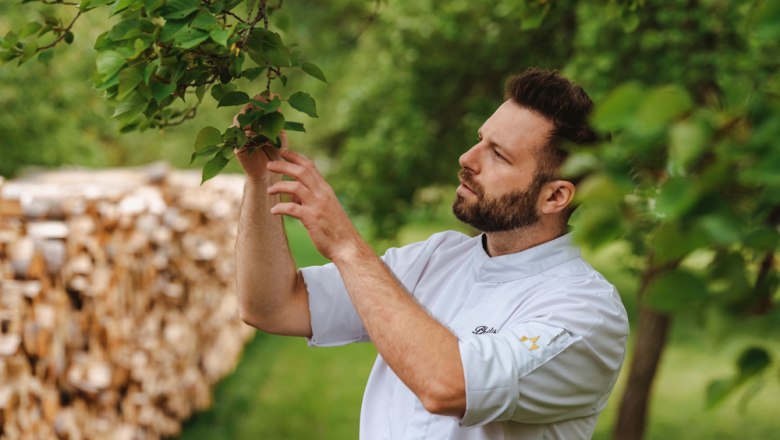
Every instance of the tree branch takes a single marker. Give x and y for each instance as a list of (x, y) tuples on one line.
[(230, 13), (58, 2), (369, 21), (61, 36), (187, 115)]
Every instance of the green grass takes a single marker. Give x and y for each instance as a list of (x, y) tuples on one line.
[(283, 389)]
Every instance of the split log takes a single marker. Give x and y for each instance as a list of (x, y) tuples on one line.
[(118, 311)]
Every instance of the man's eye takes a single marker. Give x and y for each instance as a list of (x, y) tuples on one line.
[(499, 155)]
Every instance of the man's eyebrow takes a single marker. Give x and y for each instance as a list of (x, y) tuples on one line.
[(504, 152)]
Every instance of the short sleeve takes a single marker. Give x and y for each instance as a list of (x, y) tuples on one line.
[(334, 320), (544, 371), (494, 365)]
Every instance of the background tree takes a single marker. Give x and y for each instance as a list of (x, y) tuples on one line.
[(688, 183), (686, 191)]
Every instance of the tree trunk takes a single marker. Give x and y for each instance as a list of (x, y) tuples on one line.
[(651, 341)]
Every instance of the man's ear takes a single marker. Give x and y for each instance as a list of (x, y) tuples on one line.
[(556, 196)]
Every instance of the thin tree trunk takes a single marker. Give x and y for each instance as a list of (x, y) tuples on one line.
[(650, 343)]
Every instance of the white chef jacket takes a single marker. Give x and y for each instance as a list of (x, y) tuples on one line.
[(541, 335)]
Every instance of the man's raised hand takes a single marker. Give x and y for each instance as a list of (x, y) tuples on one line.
[(314, 203), (252, 158)]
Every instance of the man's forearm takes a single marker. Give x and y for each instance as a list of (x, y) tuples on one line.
[(266, 274)]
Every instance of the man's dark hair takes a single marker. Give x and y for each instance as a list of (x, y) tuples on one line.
[(565, 104)]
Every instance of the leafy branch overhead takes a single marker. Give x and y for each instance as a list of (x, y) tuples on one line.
[(160, 59)]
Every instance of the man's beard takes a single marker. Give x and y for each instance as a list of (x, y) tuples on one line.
[(492, 214)]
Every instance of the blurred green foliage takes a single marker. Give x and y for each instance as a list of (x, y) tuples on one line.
[(689, 90)]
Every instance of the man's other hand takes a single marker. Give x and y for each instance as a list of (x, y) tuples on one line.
[(314, 203)]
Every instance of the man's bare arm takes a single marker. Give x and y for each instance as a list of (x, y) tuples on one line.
[(271, 293)]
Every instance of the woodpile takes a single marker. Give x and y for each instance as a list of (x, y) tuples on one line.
[(118, 310)]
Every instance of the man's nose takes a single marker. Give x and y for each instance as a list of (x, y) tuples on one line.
[(468, 160)]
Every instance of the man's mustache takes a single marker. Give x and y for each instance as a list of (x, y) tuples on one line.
[(467, 177)]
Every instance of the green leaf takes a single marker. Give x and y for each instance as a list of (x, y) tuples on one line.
[(294, 126), (30, 49), (718, 390), (753, 361), (687, 141), (266, 47), (767, 20), (207, 137), (630, 22), (207, 151), (108, 64), (153, 5), (220, 90), (177, 9), (271, 125), (233, 98), (129, 79), (249, 117), (234, 136), (29, 29), (722, 227), (314, 71), (139, 47), (618, 108), (151, 69), (10, 40), (660, 107), (268, 106), (676, 197), (303, 102), (597, 224), (220, 36), (674, 290), (161, 90), (171, 29), (236, 63), (121, 5), (253, 73), (672, 242), (204, 20), (130, 108), (46, 56), (213, 167), (188, 38), (200, 91)]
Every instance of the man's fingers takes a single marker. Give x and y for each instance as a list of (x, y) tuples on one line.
[(288, 208), (297, 172), (294, 188), (296, 158)]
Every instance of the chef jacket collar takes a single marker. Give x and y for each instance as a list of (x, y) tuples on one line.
[(525, 263)]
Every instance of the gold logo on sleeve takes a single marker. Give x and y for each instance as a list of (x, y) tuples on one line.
[(533, 340)]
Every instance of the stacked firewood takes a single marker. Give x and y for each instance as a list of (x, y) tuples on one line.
[(118, 310)]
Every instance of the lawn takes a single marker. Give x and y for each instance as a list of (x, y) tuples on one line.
[(283, 389)]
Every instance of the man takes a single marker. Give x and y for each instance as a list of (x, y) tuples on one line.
[(508, 335)]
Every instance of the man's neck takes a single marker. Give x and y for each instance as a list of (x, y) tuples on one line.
[(517, 240)]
